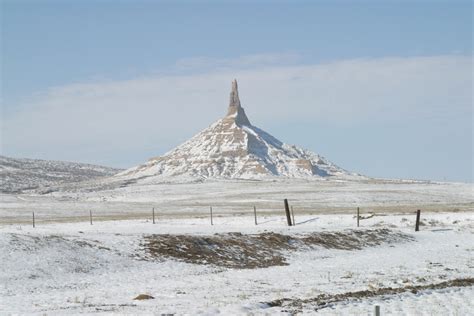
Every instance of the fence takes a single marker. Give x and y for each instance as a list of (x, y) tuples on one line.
[(288, 211)]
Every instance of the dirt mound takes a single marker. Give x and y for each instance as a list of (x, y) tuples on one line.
[(232, 250), (235, 250), (353, 239)]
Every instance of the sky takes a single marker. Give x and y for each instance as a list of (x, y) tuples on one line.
[(382, 89)]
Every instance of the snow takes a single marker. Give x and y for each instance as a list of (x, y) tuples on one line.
[(452, 301), (17, 175), (232, 151), (235, 197), (81, 268)]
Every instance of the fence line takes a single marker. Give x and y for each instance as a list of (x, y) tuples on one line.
[(288, 210)]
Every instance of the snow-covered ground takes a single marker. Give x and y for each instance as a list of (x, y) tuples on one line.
[(65, 265), (239, 197), (69, 268), (22, 175)]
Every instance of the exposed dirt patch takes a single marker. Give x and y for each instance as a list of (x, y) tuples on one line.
[(235, 250), (326, 300), (142, 297)]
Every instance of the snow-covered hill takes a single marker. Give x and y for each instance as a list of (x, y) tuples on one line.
[(18, 175), (232, 148)]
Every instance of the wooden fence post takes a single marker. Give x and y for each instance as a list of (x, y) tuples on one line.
[(33, 219), (90, 216), (377, 310), (255, 214), (417, 226), (287, 211), (358, 216), (153, 213), (293, 215), (211, 216)]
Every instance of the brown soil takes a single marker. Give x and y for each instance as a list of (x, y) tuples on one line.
[(235, 250), (143, 297), (326, 300)]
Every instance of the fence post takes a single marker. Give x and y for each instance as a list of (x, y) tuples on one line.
[(255, 214), (417, 226), (293, 215), (153, 212), (90, 216), (377, 310), (33, 219), (358, 216), (287, 211), (211, 216)]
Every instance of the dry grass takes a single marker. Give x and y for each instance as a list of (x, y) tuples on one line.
[(326, 300), (235, 250)]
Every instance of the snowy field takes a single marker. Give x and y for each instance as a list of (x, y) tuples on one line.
[(238, 198), (71, 268), (324, 264)]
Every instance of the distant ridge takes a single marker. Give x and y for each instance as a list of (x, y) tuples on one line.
[(19, 174), (232, 148)]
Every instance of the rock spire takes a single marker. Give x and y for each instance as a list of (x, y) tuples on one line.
[(235, 110), (234, 95)]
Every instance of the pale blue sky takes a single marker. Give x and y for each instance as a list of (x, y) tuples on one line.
[(49, 48)]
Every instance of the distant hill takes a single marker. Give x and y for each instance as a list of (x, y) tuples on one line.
[(18, 175), (233, 148)]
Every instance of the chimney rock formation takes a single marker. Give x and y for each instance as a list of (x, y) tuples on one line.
[(235, 109), (232, 148)]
